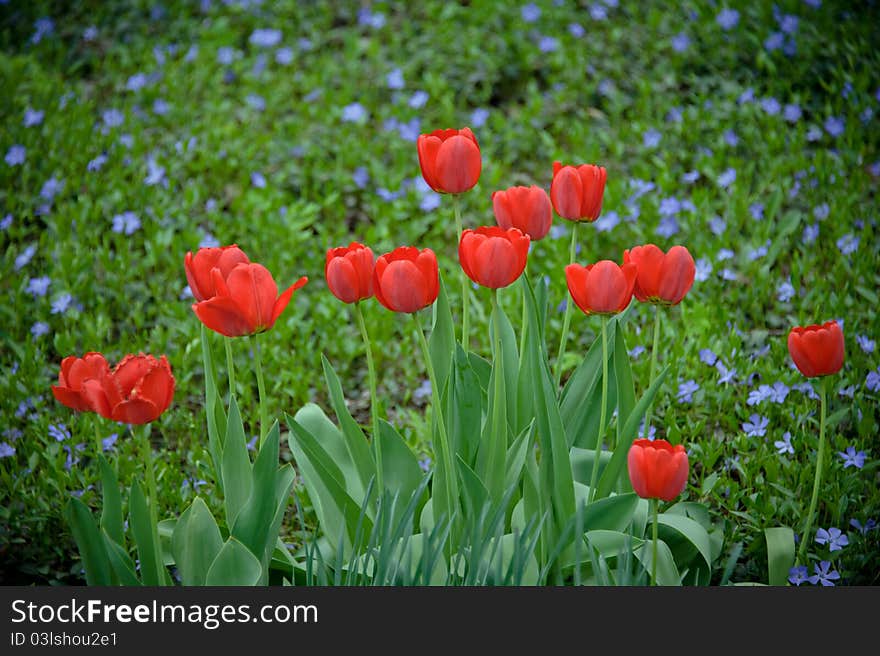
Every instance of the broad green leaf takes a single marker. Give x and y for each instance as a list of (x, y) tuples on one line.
[(516, 455), (464, 402), (196, 542), (328, 435), (92, 549), (780, 554), (582, 463), (111, 515), (626, 394), (691, 531), (475, 493), (145, 537), (612, 513), (236, 466), (582, 384), (482, 368), (355, 441), (626, 437), (284, 478), (234, 565), (611, 544), (492, 452), (213, 408), (120, 561), (667, 572), (441, 343), (401, 471), (510, 355)]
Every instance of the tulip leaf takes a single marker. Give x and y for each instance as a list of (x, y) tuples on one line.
[(216, 419), (780, 554), (355, 441), (332, 442), (626, 394), (235, 465), (667, 572), (235, 565), (582, 463), (499, 322), (673, 527), (482, 368), (120, 562), (441, 343), (614, 513), (284, 478), (145, 537), (464, 402), (542, 301), (475, 493), (111, 514), (400, 467), (492, 453), (516, 456), (626, 437), (91, 545), (196, 541)]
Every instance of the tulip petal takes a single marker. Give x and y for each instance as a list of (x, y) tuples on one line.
[(565, 193), (458, 164), (72, 399), (255, 292), (404, 286), (135, 411), (95, 394), (342, 279), (576, 277), (428, 146), (676, 275), (157, 387), (222, 315), (282, 301), (130, 370)]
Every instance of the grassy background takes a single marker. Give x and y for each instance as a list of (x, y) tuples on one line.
[(263, 153)]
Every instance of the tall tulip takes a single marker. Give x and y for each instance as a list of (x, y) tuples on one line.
[(493, 257), (526, 208), (72, 376), (198, 268), (406, 279), (817, 350), (664, 278), (349, 272)]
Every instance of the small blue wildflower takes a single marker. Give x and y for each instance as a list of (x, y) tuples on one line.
[(847, 391), (59, 432), (62, 303), (717, 225), (848, 244), (703, 269), (833, 537), (681, 42), (361, 177), (669, 206), (811, 233), (774, 42), (90, 33), (852, 458), (607, 221), (746, 96), (727, 18), (651, 138), (6, 450), (369, 19), (226, 55), (265, 38), (779, 391), (108, 442), (418, 99), (576, 30), (814, 133), (730, 138), (757, 211), (788, 23), (255, 102), (822, 211), (806, 388), (724, 254), (675, 115), (430, 201), (425, 463), (479, 117), (727, 178), (354, 113), (708, 356), (771, 106), (126, 140), (636, 351), (598, 12), (686, 391), (785, 291), (136, 82), (252, 443), (394, 79), (6, 222), (43, 27), (728, 274), (423, 391), (38, 286), (96, 164), (652, 431), (835, 126), (126, 223), (155, 173), (756, 426), (284, 56), (530, 12), (865, 343), (784, 446), (15, 155), (112, 118), (548, 44), (792, 113), (759, 252), (33, 117), (869, 525), (798, 575), (667, 228), (258, 180)]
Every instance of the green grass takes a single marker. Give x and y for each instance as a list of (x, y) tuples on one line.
[(591, 100)]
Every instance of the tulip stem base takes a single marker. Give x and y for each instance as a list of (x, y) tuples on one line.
[(465, 310), (654, 543), (594, 476), (99, 443), (152, 496), (374, 397), (566, 319), (230, 367), (817, 480), (261, 389), (654, 349)]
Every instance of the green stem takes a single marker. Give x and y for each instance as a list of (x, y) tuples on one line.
[(152, 496), (464, 279), (374, 398), (566, 320), (525, 318), (654, 543), (261, 388), (230, 366), (602, 418), (443, 439), (817, 480), (654, 350), (99, 443)]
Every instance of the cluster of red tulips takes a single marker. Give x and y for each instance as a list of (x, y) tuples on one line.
[(236, 297)]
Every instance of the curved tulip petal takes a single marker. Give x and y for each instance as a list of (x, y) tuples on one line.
[(457, 165), (130, 370), (576, 277), (135, 411), (255, 292), (428, 146), (565, 193), (677, 274), (405, 286), (73, 400), (96, 396), (282, 301), (342, 279), (222, 315)]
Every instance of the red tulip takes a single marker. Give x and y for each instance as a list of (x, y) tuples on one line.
[(577, 192), (817, 350), (406, 279), (493, 257), (657, 470), (349, 272), (137, 391), (663, 279), (526, 208), (601, 288), (450, 160), (73, 375), (246, 301), (198, 268)]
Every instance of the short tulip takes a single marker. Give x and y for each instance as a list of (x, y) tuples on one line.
[(601, 288), (406, 279), (576, 191), (349, 272), (493, 257), (198, 268), (246, 301), (817, 350), (74, 373), (450, 160), (657, 470), (663, 279), (137, 391), (525, 208)]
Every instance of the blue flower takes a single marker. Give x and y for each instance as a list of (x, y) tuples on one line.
[(96, 164), (822, 211), (727, 178), (6, 450), (265, 38), (15, 155), (651, 138), (798, 575), (863, 529), (155, 173), (369, 19), (636, 351), (394, 79), (758, 253), (354, 113), (576, 30), (774, 41), (530, 12), (708, 356), (785, 291), (686, 391), (756, 426), (607, 221), (126, 223), (724, 254), (759, 395), (5, 223), (811, 233), (824, 574), (361, 177), (727, 18), (703, 269), (792, 113), (814, 133), (284, 56), (865, 343), (51, 188), (779, 391), (112, 118), (806, 388), (852, 458), (548, 44), (668, 227), (669, 206), (418, 99), (430, 201), (598, 12), (39, 286), (62, 303), (717, 225), (425, 463), (258, 180), (681, 42), (833, 537), (848, 244), (136, 82), (784, 445), (479, 117), (652, 430), (43, 27), (161, 107), (226, 55), (788, 23), (108, 442), (746, 96), (771, 106), (59, 432), (423, 391), (256, 102), (757, 211), (835, 126), (33, 117)]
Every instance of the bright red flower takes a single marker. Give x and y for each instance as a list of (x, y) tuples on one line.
[(246, 301), (525, 208), (349, 272), (198, 268), (137, 391), (817, 350), (406, 279), (657, 470), (663, 279), (601, 288), (73, 375), (493, 257), (450, 160), (576, 191)]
